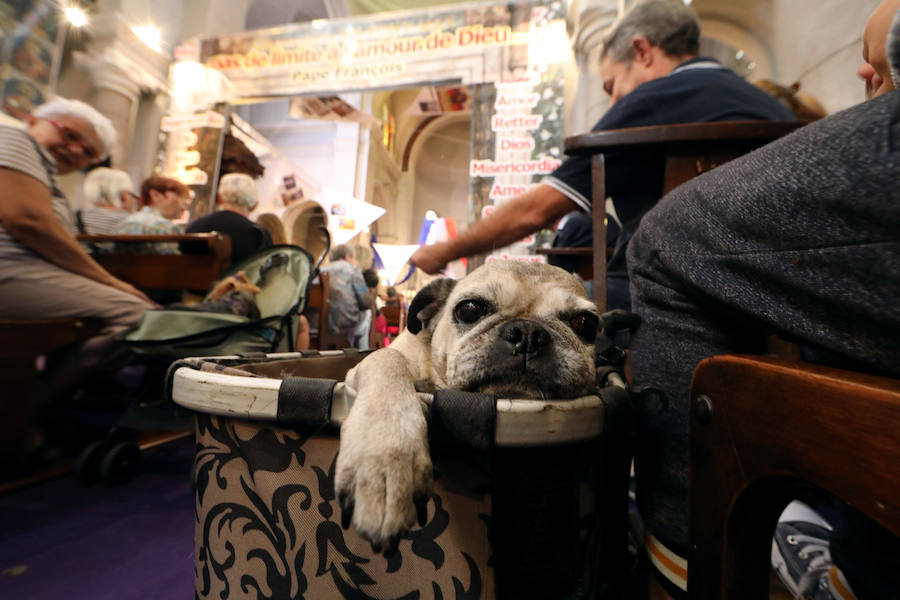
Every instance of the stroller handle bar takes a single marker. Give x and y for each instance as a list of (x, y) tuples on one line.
[(519, 422)]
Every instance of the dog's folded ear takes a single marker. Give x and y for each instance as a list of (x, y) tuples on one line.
[(428, 303)]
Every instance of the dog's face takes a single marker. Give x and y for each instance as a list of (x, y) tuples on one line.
[(233, 283), (518, 330)]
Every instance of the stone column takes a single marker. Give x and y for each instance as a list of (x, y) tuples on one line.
[(116, 96), (121, 67)]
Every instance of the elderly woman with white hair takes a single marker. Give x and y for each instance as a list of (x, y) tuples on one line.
[(236, 199), (44, 271), (111, 198)]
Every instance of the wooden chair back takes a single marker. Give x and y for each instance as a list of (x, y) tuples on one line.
[(374, 341), (762, 428), (166, 271), (318, 300), (690, 150), (395, 316), (21, 342)]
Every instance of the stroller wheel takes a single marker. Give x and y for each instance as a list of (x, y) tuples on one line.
[(87, 467), (120, 463)]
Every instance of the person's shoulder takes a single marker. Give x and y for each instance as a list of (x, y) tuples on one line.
[(106, 211), (886, 105), (128, 225), (690, 74), (867, 123), (12, 132), (704, 90), (241, 221), (227, 218), (15, 143), (200, 224)]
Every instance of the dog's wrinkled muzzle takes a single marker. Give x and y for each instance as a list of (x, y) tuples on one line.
[(521, 346), (525, 338)]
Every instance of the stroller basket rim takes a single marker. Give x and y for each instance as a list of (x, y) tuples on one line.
[(520, 422)]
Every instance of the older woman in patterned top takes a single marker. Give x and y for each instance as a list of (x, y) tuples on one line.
[(162, 200)]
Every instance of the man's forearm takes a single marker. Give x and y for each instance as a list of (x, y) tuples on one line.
[(506, 226), (521, 216)]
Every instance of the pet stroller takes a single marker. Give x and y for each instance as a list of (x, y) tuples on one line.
[(283, 273), (513, 514)]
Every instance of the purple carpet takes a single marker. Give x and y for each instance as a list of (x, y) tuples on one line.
[(62, 540)]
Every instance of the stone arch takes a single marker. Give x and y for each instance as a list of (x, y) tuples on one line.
[(302, 222)]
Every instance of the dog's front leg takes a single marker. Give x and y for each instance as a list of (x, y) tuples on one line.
[(384, 475)]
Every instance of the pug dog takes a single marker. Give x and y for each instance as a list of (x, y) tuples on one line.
[(513, 329)]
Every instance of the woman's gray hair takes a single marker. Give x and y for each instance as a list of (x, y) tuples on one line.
[(105, 186), (340, 252), (240, 190), (63, 107), (667, 24)]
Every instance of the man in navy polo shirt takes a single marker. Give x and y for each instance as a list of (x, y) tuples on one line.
[(653, 75)]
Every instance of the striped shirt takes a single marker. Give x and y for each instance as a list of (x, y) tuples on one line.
[(20, 152), (99, 220)]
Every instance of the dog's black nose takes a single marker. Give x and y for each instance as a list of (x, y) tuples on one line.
[(525, 337)]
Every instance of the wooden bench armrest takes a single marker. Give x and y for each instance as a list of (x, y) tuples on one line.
[(215, 242), (685, 133), (147, 271)]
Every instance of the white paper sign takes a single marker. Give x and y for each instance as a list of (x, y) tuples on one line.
[(394, 258), (347, 216)]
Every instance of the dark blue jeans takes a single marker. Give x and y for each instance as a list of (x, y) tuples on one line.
[(799, 239)]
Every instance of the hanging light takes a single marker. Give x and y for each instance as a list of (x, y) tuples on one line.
[(149, 35), (75, 16)]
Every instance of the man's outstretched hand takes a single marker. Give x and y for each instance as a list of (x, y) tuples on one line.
[(431, 259)]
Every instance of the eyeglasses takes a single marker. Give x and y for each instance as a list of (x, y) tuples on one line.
[(74, 138)]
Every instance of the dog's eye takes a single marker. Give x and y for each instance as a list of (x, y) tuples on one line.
[(585, 325), (469, 311)]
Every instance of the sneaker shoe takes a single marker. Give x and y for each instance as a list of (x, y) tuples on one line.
[(800, 554)]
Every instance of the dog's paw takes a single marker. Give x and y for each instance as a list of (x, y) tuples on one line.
[(383, 475)]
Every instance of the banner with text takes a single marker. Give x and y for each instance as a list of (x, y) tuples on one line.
[(469, 45)]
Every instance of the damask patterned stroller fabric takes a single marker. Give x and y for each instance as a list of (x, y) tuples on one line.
[(516, 523), (268, 524)]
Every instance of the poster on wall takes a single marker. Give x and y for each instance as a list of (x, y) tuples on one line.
[(28, 31)]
